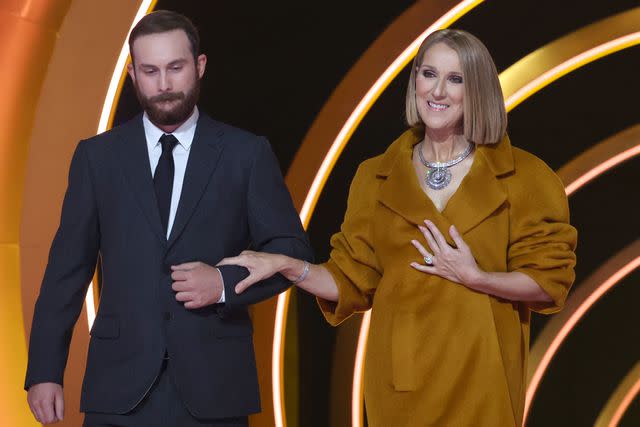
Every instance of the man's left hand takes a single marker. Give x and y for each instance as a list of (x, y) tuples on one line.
[(196, 284)]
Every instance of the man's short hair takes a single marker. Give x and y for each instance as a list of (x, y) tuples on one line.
[(162, 21)]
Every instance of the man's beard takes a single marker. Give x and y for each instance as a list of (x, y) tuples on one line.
[(176, 115)]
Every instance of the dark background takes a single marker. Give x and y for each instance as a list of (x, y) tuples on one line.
[(273, 65)]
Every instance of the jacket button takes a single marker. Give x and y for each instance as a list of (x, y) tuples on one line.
[(167, 316)]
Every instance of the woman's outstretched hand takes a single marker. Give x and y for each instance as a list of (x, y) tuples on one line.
[(455, 264), (261, 265)]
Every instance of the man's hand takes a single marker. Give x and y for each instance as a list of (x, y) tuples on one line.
[(46, 402), (196, 284)]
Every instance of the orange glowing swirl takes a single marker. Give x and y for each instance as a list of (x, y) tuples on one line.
[(621, 399), (599, 158)]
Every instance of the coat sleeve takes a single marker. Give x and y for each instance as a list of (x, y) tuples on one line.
[(353, 262), (541, 240), (71, 264), (274, 227)]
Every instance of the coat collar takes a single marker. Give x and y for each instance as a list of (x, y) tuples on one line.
[(203, 158), (479, 195)]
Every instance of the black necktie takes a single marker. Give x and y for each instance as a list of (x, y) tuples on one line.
[(163, 178)]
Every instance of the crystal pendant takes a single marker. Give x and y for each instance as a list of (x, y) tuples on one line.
[(438, 178)]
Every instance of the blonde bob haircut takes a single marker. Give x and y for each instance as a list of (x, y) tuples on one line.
[(484, 116)]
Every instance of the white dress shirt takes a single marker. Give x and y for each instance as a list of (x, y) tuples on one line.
[(184, 134)]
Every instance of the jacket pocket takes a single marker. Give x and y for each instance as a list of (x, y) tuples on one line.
[(403, 351), (105, 327)]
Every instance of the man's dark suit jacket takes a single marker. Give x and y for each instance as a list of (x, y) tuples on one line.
[(233, 198)]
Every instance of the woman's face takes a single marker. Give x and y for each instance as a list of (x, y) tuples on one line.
[(440, 89)]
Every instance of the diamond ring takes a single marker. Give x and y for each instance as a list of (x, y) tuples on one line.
[(428, 260)]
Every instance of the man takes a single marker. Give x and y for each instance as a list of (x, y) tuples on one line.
[(161, 199)]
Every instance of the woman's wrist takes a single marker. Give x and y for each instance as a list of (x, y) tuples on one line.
[(292, 269), (477, 280)]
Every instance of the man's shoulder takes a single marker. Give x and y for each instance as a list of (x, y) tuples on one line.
[(229, 133), (104, 138)]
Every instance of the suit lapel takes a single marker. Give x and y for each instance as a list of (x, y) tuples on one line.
[(134, 158), (203, 157)]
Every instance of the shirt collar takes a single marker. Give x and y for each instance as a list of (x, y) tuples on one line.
[(184, 134)]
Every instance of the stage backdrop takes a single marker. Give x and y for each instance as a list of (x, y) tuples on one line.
[(326, 84)]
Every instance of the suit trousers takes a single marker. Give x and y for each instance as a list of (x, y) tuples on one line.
[(161, 407)]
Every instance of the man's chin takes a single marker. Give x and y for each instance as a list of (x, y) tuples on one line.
[(166, 117), (167, 105)]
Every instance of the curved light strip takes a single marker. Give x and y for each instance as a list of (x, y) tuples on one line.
[(601, 168), (577, 305), (357, 413), (570, 65), (277, 361), (568, 53), (620, 399), (515, 93), (590, 164), (624, 405), (115, 86), (312, 198)]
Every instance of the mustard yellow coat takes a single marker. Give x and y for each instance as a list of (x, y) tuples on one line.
[(440, 354)]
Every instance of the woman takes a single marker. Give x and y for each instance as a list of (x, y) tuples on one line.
[(452, 236)]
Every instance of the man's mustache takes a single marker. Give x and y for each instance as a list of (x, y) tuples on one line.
[(168, 96)]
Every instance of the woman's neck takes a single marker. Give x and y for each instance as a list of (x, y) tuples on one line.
[(443, 146)]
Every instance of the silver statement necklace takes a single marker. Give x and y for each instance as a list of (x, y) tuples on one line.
[(438, 174)]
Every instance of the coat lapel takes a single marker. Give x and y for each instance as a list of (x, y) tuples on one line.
[(134, 158), (401, 191), (479, 195), (203, 158)]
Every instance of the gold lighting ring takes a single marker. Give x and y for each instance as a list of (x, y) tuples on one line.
[(599, 158), (619, 402)]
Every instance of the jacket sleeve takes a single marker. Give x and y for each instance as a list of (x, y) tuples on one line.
[(70, 267), (541, 241), (274, 227), (353, 262)]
